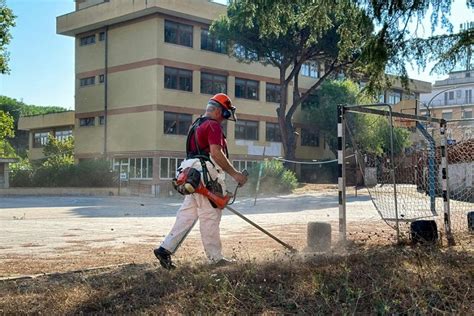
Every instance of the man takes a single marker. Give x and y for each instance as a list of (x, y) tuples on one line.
[(206, 145)]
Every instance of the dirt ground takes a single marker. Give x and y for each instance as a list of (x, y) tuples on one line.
[(57, 234)]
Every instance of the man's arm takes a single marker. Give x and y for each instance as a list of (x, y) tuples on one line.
[(218, 156)]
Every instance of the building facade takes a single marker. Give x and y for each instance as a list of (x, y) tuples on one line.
[(145, 70), (451, 98), (59, 125)]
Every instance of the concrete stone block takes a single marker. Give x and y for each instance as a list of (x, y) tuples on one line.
[(319, 236)]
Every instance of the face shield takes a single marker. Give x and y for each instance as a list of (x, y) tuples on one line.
[(233, 117)]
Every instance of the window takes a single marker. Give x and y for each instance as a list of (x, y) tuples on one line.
[(141, 168), (468, 74), (394, 97), (40, 139), (246, 89), (212, 84), (244, 164), (87, 121), (211, 43), (273, 132), (87, 40), (381, 97), (168, 167), (468, 95), (101, 78), (451, 95), (309, 137), (247, 130), (467, 114), (177, 124), (458, 94), (87, 81), (178, 33), (447, 115), (101, 120), (63, 135), (179, 79), (102, 36), (123, 164), (136, 168), (310, 69), (273, 93)]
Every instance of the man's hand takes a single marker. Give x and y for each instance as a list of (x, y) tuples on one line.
[(240, 178), (219, 157)]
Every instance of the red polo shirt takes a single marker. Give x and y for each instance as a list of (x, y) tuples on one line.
[(208, 133)]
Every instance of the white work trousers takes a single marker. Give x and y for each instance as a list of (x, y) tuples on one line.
[(194, 207)]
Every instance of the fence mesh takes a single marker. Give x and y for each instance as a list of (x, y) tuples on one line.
[(407, 186)]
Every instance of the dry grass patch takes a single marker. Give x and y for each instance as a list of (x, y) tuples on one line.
[(381, 280)]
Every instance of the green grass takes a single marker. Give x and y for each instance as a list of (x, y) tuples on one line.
[(375, 281)]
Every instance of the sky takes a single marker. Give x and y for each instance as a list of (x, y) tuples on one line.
[(42, 62)]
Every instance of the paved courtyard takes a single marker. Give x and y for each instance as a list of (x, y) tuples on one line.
[(47, 228)]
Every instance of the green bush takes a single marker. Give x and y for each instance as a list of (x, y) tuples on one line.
[(21, 178), (21, 173), (54, 176), (275, 178), (89, 173), (94, 173)]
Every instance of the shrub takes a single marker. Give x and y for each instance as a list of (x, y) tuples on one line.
[(21, 178), (54, 176), (94, 173), (21, 173), (59, 172), (275, 178)]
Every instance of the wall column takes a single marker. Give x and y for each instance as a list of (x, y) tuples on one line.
[(6, 182)]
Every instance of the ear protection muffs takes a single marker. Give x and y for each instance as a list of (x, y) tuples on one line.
[(226, 113)]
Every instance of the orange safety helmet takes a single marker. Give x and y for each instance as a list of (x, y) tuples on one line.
[(228, 110)]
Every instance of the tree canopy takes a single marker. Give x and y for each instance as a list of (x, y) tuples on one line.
[(6, 131), (370, 132), (286, 34), (59, 152), (364, 39), (7, 21)]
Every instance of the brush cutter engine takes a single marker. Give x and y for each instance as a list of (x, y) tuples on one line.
[(189, 182)]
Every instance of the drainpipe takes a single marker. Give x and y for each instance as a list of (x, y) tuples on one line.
[(106, 79)]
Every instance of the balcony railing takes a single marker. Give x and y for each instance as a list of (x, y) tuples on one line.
[(450, 103), (454, 81)]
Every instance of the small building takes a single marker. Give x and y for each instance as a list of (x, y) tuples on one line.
[(59, 125), (4, 169), (451, 98)]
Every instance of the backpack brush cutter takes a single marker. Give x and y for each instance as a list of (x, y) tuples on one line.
[(189, 182)]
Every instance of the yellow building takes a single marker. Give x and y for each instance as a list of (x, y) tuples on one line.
[(59, 125), (145, 70)]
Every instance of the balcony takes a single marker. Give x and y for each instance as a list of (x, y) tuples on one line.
[(104, 13), (454, 81), (451, 103)]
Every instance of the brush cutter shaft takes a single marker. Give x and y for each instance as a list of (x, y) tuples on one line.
[(262, 229)]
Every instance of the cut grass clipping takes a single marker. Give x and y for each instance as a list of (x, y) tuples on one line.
[(383, 280)]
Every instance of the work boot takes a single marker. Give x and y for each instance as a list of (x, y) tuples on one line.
[(224, 262), (164, 256)]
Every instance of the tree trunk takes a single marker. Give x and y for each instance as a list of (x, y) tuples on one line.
[(281, 111)]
